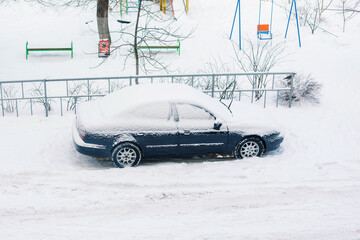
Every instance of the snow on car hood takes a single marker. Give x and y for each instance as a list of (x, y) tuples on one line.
[(252, 119)]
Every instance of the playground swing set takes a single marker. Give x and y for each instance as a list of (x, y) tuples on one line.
[(264, 31)]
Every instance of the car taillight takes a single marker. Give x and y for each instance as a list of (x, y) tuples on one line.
[(82, 136), (81, 131)]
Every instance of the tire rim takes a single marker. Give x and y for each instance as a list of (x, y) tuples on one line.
[(249, 149), (126, 156)]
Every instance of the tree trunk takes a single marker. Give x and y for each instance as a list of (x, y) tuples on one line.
[(136, 43), (102, 19)]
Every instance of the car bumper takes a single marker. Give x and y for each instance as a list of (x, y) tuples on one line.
[(90, 149), (273, 142)]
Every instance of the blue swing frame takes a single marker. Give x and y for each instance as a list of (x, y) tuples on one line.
[(293, 5), (237, 9)]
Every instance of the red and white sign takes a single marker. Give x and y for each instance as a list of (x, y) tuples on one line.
[(104, 48)]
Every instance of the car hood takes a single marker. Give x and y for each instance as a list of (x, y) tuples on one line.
[(250, 120)]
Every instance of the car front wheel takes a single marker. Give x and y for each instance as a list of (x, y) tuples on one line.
[(249, 147), (126, 155)]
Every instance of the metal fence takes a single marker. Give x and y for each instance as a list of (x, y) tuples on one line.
[(54, 96)]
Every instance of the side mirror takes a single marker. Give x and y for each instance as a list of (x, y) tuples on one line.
[(217, 125)]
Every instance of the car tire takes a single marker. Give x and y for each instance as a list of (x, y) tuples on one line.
[(126, 155), (249, 147)]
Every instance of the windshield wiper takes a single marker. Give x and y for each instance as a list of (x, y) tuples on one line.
[(228, 93)]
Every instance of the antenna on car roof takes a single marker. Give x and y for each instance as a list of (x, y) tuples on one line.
[(228, 93)]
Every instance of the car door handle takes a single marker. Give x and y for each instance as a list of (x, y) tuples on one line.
[(186, 132)]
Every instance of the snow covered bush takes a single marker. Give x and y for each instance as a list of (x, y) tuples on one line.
[(305, 90), (39, 92), (8, 92)]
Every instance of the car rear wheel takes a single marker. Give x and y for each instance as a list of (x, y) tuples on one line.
[(126, 155), (249, 147)]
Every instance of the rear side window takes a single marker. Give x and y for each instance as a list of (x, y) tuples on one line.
[(188, 111), (152, 111)]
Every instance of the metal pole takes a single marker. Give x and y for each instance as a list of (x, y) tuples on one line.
[(88, 91), (271, 19), (265, 99), (260, 13), (22, 89), (17, 111), (31, 109), (109, 86), (252, 93), (46, 100), (239, 27), (232, 28), (2, 101), (67, 88), (287, 26), (297, 23), (61, 107), (291, 89), (213, 85)]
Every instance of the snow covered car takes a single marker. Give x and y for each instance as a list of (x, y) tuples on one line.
[(165, 120)]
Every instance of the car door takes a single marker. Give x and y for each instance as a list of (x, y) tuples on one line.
[(200, 132), (156, 130)]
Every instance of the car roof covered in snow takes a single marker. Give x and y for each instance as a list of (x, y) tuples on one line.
[(139, 95)]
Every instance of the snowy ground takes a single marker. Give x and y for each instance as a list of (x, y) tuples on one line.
[(310, 189)]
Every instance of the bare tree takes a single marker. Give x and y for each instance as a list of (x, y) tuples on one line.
[(259, 56), (150, 28), (214, 66), (8, 92), (314, 11), (73, 92), (305, 13), (348, 10), (63, 3), (38, 91), (322, 6)]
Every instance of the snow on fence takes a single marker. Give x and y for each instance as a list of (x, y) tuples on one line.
[(54, 96)]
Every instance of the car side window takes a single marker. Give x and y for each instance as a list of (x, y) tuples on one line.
[(153, 111), (188, 111)]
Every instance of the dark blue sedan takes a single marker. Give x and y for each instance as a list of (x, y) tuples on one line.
[(165, 120)]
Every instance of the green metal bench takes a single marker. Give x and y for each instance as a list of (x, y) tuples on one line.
[(162, 47), (48, 50)]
